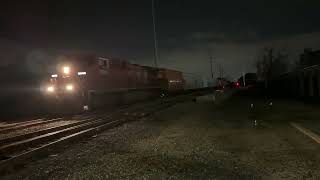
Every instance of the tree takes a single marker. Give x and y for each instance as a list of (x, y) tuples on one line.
[(220, 70), (270, 63)]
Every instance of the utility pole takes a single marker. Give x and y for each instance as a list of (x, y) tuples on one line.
[(271, 61), (269, 58), (220, 68), (244, 78), (211, 64), (155, 58)]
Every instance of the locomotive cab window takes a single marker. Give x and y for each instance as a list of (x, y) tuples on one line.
[(103, 63)]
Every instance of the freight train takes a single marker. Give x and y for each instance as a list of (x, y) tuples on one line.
[(88, 79)]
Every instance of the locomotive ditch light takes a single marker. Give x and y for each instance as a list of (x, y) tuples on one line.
[(69, 87)]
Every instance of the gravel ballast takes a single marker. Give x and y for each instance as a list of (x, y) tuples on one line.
[(187, 141)]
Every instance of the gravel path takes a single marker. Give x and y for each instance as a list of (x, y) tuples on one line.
[(187, 141)]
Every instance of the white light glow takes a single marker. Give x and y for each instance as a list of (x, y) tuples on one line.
[(82, 73), (174, 81), (50, 89), (69, 87), (54, 75), (66, 70)]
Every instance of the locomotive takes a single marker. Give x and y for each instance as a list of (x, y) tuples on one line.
[(85, 79)]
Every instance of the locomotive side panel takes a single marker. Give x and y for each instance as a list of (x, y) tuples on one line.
[(171, 80)]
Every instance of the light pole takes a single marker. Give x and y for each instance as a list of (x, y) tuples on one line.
[(155, 57)]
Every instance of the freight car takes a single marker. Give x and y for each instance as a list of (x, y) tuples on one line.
[(90, 80)]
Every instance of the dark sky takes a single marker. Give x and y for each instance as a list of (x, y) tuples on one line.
[(233, 31)]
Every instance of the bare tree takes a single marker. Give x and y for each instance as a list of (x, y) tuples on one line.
[(220, 70), (262, 64), (270, 63)]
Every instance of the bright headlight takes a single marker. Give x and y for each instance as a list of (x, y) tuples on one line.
[(66, 69), (50, 89), (69, 87)]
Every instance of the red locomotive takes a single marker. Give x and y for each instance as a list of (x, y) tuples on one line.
[(80, 76)]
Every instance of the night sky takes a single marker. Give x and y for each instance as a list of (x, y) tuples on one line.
[(233, 31)]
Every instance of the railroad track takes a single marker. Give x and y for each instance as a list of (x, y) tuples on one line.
[(10, 144), (20, 123), (5, 129), (20, 149), (28, 124), (41, 132)]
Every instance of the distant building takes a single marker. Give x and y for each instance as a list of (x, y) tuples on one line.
[(309, 58)]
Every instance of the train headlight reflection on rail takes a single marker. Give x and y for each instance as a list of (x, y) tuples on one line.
[(69, 87), (66, 69), (50, 88)]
